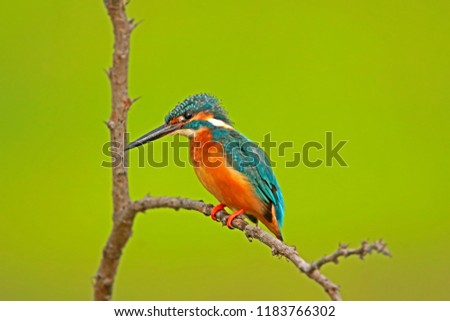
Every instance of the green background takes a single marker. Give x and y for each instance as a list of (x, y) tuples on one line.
[(375, 73)]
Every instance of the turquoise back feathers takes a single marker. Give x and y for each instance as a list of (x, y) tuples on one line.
[(249, 159)]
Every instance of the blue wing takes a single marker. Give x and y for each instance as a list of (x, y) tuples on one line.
[(249, 159)]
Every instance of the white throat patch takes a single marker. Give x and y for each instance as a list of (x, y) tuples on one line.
[(185, 132)]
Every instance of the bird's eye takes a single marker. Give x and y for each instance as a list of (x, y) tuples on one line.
[(188, 115)]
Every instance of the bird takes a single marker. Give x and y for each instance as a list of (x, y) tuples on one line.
[(235, 170)]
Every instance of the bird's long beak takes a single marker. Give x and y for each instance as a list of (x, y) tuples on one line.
[(154, 134)]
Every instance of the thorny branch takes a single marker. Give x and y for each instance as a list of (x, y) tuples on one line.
[(122, 215), (125, 210)]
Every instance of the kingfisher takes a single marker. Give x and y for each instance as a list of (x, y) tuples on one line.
[(229, 165)]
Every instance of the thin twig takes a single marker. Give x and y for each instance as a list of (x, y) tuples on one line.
[(343, 251)]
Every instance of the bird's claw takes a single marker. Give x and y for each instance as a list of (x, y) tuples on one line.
[(232, 217), (216, 209)]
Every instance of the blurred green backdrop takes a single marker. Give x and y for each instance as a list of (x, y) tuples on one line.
[(375, 73)]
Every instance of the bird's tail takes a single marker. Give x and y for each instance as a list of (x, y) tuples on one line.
[(272, 223), (276, 230)]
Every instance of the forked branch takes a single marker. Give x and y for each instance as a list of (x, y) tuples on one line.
[(124, 210)]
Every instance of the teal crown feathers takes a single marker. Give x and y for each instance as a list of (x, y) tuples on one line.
[(199, 103)]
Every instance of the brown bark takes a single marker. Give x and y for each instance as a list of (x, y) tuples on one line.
[(123, 216)]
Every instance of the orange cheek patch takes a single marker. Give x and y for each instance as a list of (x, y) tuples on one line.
[(203, 116), (175, 120)]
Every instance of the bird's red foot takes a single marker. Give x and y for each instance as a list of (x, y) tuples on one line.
[(232, 217), (217, 208)]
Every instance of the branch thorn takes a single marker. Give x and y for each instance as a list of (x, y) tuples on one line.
[(134, 25), (108, 72)]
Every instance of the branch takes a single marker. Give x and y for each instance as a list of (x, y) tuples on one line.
[(365, 249), (312, 270), (124, 210), (122, 215)]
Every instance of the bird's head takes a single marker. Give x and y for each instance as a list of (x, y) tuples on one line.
[(187, 118)]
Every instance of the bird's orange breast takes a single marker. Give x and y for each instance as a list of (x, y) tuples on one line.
[(228, 185)]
